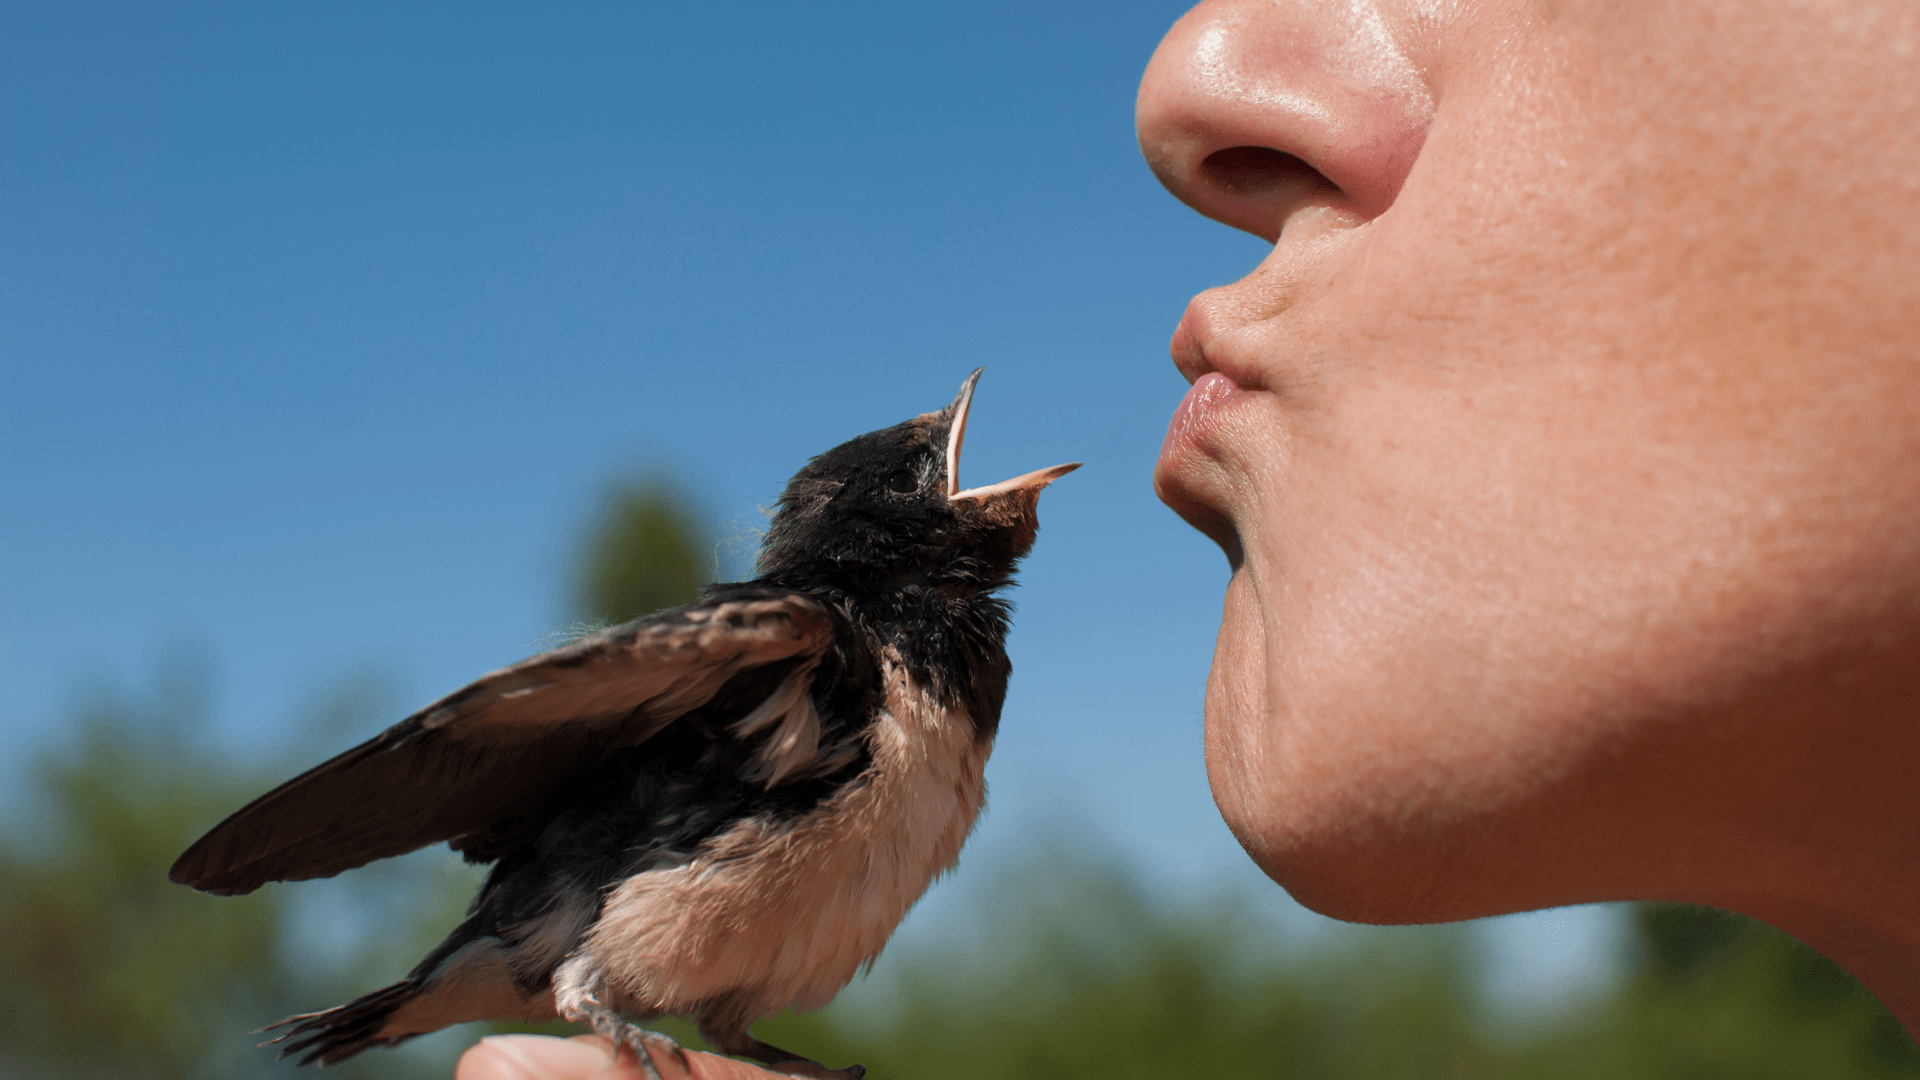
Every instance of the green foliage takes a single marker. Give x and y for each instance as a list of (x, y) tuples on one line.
[(1107, 985), (1721, 997), (108, 970), (648, 552), (109, 967), (1090, 980)]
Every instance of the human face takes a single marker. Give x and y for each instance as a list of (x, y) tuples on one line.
[(1565, 446)]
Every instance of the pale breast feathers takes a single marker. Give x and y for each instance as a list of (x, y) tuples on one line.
[(778, 912)]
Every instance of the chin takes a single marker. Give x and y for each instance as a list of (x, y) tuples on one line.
[(1345, 790), (1345, 849)]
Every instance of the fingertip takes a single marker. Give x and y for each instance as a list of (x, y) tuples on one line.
[(536, 1057), (700, 1065), (589, 1057)]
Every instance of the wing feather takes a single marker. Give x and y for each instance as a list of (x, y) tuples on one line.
[(501, 746)]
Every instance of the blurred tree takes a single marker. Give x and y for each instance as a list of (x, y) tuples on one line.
[(111, 969), (1721, 995), (1082, 976), (108, 970), (1110, 987), (106, 967), (648, 551)]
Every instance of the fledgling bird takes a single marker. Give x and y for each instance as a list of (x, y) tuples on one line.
[(717, 811)]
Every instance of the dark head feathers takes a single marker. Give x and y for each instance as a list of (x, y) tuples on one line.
[(885, 509)]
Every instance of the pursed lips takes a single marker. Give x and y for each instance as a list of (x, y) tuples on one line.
[(1212, 353), (1190, 443), (1217, 387), (1213, 349)]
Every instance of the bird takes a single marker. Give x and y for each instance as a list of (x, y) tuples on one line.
[(716, 811)]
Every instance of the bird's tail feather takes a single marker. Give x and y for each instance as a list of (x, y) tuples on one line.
[(334, 1035)]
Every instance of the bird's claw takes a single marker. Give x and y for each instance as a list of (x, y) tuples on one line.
[(626, 1035)]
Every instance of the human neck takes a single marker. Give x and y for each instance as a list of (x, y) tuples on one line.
[(1880, 949), (1841, 848)]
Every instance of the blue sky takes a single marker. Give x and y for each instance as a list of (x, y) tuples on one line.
[(322, 328)]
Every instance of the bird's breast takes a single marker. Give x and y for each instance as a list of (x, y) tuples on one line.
[(785, 911)]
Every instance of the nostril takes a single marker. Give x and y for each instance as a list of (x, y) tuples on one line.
[(1260, 170)]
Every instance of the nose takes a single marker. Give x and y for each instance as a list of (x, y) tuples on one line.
[(1252, 109)]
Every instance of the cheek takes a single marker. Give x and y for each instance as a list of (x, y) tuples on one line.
[(1473, 625), (1324, 759), (1399, 667), (1316, 770)]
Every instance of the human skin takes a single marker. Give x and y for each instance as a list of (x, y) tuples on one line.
[(1566, 449), (587, 1057)]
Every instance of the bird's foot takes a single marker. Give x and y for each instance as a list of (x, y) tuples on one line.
[(817, 1071), (739, 1042), (627, 1035)]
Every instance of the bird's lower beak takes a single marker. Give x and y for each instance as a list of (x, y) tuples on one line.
[(1037, 479)]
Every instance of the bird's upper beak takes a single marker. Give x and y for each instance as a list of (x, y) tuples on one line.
[(1035, 480)]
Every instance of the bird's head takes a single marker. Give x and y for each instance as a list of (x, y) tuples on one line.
[(886, 510)]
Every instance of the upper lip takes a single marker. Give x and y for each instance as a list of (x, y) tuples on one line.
[(962, 405), (1189, 345), (1208, 340), (1204, 341)]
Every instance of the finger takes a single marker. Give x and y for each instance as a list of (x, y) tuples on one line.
[(535, 1057), (703, 1066), (587, 1057)]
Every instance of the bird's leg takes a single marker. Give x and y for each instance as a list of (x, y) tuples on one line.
[(736, 1040), (575, 1001), (631, 1036)]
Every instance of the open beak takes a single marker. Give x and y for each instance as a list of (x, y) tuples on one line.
[(1039, 478)]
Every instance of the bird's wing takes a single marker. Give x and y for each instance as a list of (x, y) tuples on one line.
[(500, 746)]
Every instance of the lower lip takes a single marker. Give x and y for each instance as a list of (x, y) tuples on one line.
[(1209, 397)]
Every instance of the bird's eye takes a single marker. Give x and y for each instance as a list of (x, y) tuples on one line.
[(903, 482)]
